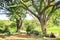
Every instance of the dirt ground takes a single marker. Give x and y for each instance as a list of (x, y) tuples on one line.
[(16, 36)]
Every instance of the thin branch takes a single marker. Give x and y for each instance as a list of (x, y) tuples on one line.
[(28, 9), (12, 6), (34, 5), (40, 5), (57, 8), (47, 5), (46, 8), (58, 3), (52, 12), (50, 1)]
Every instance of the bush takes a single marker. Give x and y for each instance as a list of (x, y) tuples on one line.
[(34, 32)]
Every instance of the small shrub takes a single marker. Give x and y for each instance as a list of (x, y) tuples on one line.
[(34, 32)]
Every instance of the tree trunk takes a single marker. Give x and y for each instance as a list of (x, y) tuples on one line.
[(43, 21), (19, 24), (43, 28)]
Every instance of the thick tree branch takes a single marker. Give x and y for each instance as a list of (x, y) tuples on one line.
[(50, 1), (28, 9), (58, 3), (46, 5), (45, 9)]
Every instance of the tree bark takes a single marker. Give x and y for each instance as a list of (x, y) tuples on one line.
[(43, 28), (43, 21), (19, 24)]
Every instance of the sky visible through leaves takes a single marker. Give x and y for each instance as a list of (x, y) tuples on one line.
[(4, 17)]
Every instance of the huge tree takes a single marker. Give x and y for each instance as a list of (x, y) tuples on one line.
[(16, 17), (44, 9)]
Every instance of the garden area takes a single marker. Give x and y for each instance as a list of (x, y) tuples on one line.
[(29, 20)]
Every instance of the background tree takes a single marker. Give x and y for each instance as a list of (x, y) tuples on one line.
[(16, 14), (41, 7)]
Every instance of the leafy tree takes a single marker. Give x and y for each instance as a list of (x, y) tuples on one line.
[(16, 14), (44, 9)]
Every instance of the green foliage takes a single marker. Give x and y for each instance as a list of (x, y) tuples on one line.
[(50, 24), (2, 24), (5, 30), (56, 21), (55, 18), (12, 25), (29, 26), (25, 0), (7, 26), (34, 32), (16, 12)]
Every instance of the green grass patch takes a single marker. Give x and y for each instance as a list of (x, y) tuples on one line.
[(35, 39), (54, 30)]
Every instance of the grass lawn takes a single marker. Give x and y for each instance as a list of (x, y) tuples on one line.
[(54, 30), (33, 39)]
